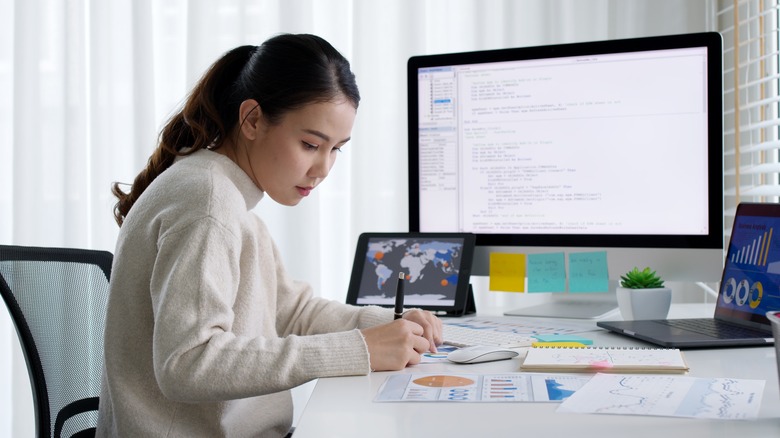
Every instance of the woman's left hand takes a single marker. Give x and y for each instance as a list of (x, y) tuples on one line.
[(430, 323)]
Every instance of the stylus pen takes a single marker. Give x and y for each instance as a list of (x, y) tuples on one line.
[(399, 297)]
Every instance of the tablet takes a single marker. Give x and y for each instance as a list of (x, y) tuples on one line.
[(437, 268)]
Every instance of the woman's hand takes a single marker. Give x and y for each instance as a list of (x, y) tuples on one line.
[(430, 324), (394, 346)]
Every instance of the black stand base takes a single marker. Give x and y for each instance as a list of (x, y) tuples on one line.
[(468, 309)]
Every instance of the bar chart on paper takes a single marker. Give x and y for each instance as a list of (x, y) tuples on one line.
[(509, 387)]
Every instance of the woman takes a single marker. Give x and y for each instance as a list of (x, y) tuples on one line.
[(205, 332)]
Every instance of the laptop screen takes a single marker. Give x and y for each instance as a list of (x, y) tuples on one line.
[(751, 277)]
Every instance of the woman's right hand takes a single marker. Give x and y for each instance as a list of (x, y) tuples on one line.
[(393, 346)]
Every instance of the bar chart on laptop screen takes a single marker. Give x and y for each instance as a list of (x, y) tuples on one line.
[(752, 273)]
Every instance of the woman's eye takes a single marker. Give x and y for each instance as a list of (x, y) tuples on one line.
[(309, 145)]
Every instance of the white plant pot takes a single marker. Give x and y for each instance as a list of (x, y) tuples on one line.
[(644, 303)]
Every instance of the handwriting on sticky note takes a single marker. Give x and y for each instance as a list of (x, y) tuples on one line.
[(547, 272), (507, 272), (588, 272)]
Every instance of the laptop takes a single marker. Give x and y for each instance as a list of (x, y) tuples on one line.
[(749, 287)]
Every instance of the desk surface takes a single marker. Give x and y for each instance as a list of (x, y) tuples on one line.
[(344, 407)]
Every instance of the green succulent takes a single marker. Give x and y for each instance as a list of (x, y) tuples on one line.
[(644, 279)]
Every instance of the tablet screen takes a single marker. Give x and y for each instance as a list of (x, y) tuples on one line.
[(435, 265)]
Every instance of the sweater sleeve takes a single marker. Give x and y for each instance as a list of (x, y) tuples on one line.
[(303, 314), (203, 350)]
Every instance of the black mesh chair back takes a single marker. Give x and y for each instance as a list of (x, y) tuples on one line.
[(57, 300)]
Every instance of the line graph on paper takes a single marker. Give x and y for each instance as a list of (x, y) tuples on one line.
[(717, 398), (674, 396)]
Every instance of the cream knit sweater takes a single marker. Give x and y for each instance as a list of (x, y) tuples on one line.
[(205, 332)]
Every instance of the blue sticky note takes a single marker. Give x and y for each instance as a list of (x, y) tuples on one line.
[(546, 272), (563, 338), (588, 272)]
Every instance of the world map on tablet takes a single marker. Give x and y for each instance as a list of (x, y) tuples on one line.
[(430, 267)]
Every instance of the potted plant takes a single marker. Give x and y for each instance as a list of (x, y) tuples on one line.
[(644, 279), (642, 295)]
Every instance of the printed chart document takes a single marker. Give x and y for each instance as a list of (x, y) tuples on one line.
[(439, 356), (508, 387), (673, 396), (525, 327)]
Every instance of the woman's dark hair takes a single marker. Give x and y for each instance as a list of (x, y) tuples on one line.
[(283, 74)]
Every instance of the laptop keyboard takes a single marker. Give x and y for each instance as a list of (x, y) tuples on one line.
[(714, 328)]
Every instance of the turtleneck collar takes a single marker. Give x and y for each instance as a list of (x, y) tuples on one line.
[(251, 193)]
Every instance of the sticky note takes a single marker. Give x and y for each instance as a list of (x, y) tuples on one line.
[(563, 338), (588, 272), (559, 344), (547, 272), (507, 272)]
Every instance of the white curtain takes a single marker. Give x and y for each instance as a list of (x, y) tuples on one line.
[(86, 85)]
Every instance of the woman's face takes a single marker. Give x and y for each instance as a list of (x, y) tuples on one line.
[(289, 159)]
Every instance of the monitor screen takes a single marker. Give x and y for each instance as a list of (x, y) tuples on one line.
[(609, 144)]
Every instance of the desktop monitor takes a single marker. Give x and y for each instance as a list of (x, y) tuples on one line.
[(612, 146)]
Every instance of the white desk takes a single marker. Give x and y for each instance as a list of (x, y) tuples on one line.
[(344, 407)]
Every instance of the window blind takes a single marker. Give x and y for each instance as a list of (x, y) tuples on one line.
[(750, 99)]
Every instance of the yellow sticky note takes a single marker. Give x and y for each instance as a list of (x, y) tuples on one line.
[(507, 272), (559, 344)]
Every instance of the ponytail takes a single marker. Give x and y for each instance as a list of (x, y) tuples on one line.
[(203, 122), (285, 73)]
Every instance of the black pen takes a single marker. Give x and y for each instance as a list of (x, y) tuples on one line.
[(399, 297)]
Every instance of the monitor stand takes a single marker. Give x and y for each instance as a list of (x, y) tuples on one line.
[(595, 305)]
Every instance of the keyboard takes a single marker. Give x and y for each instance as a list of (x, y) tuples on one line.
[(460, 336), (714, 328)]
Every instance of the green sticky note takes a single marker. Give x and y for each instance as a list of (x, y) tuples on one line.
[(563, 338), (588, 272), (546, 272)]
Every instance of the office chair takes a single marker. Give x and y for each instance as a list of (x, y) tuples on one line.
[(57, 300)]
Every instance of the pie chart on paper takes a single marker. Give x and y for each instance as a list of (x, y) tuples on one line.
[(443, 381)]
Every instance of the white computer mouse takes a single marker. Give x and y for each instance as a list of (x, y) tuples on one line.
[(481, 353)]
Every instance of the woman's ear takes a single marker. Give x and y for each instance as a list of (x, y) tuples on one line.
[(250, 119)]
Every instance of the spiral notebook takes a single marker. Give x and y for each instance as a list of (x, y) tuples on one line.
[(605, 360)]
